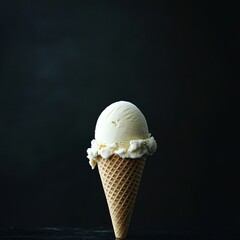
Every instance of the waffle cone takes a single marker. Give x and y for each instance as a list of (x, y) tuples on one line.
[(120, 179)]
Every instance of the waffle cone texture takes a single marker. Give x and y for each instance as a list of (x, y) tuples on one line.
[(121, 179)]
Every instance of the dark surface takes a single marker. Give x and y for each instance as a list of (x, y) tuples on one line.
[(97, 234), (63, 62)]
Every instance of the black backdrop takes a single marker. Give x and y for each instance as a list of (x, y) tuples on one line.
[(63, 62)]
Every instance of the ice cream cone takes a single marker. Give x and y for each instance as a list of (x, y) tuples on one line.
[(120, 179), (120, 147)]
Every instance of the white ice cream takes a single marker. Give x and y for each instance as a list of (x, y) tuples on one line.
[(121, 129)]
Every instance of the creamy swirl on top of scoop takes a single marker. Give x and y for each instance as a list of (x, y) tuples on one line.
[(121, 129)]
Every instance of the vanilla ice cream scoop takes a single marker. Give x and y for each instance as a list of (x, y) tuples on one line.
[(121, 129), (121, 122)]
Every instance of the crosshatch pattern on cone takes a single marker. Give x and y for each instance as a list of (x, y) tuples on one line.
[(121, 179)]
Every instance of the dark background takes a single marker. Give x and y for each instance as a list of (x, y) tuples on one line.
[(63, 62)]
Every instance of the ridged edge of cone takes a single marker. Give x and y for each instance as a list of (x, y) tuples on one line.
[(121, 178)]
